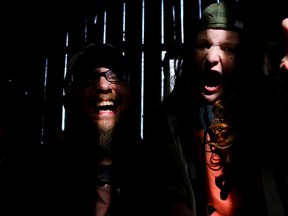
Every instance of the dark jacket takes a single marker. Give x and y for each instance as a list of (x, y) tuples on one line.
[(71, 166)]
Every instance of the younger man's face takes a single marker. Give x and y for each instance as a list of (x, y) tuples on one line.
[(215, 56)]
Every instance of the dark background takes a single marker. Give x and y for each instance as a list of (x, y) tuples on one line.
[(33, 45)]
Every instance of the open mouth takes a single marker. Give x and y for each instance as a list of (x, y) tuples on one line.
[(211, 78), (105, 106)]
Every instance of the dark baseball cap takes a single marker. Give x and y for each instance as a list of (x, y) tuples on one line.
[(93, 56), (223, 15)]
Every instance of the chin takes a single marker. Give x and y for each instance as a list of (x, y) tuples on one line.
[(106, 124), (210, 98)]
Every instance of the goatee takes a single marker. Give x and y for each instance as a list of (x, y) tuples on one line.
[(105, 133)]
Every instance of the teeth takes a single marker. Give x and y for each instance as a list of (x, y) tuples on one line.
[(105, 103)]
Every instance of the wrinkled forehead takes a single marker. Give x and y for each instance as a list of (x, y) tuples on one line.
[(218, 36)]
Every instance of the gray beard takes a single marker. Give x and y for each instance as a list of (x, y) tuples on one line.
[(105, 139), (105, 143)]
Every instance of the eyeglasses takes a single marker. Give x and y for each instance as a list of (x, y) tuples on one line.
[(110, 76), (87, 78)]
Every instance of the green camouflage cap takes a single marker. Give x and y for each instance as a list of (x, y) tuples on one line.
[(223, 15)]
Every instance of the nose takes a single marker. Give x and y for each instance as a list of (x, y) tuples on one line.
[(103, 84), (212, 57)]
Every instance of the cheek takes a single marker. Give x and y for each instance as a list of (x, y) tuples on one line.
[(229, 63), (84, 96), (82, 99), (124, 95), (77, 100), (199, 58)]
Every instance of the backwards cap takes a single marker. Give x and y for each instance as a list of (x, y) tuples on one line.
[(223, 15), (93, 56)]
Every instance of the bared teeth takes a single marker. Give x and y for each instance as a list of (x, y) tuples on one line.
[(105, 103)]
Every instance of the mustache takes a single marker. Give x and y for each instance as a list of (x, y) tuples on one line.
[(95, 99)]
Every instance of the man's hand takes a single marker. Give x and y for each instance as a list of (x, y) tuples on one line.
[(284, 61)]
